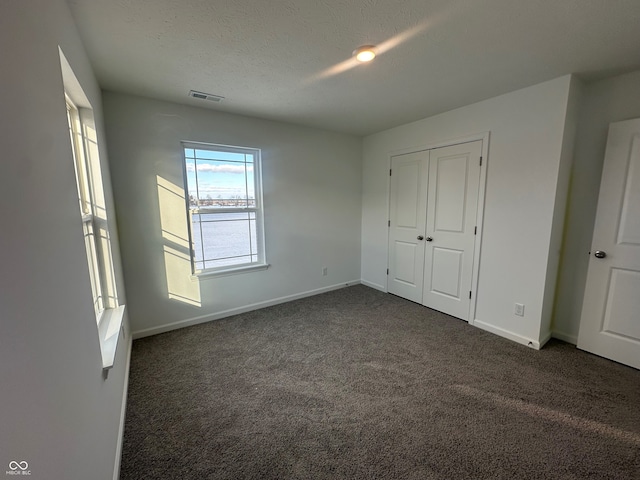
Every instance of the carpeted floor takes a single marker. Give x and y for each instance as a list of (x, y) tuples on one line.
[(358, 384)]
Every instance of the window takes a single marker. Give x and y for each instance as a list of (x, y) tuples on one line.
[(94, 232), (109, 314), (224, 207)]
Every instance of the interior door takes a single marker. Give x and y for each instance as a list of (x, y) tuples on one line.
[(454, 180), (610, 322), (408, 203)]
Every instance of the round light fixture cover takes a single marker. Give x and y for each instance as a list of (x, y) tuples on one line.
[(365, 53)]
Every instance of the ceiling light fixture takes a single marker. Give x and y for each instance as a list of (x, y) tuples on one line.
[(365, 53)]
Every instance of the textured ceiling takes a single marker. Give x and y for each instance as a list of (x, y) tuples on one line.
[(290, 59)]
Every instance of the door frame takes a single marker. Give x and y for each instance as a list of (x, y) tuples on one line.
[(484, 137)]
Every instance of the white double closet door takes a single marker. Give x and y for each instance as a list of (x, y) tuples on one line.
[(432, 226)]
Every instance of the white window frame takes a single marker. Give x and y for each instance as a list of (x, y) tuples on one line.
[(257, 209)]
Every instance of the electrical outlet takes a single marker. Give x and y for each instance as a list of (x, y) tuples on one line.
[(519, 310), (324, 271)]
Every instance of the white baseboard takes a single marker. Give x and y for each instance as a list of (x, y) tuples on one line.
[(565, 337), (374, 285), (235, 311), (545, 339), (123, 410), (529, 342)]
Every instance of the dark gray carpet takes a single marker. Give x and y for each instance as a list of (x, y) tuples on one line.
[(358, 384)]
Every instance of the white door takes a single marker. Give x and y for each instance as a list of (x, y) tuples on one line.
[(408, 204), (610, 322), (454, 180)]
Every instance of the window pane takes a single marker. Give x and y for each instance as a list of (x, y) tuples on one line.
[(192, 186), (196, 238), (220, 184), (226, 236), (251, 192), (82, 179), (94, 271), (228, 262), (189, 153), (254, 238), (218, 155)]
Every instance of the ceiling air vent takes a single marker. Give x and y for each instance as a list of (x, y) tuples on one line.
[(205, 96)]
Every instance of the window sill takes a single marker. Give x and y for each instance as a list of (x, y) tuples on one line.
[(228, 271), (109, 331)]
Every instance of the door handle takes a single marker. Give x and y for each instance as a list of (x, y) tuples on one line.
[(600, 254), (420, 237), (429, 239)]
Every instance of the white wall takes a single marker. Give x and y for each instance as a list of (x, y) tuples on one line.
[(57, 412), (312, 193), (560, 209), (605, 101), (525, 156)]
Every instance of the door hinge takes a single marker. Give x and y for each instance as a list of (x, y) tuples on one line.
[(389, 223), (475, 230), (389, 172), (387, 271), (480, 161), (469, 294)]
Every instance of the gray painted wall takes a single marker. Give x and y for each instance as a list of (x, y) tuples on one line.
[(605, 101), (58, 412), (312, 195)]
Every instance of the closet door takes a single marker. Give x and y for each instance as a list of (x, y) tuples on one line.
[(454, 179), (407, 205)]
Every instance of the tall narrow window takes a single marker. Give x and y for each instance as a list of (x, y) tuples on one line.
[(87, 207), (224, 207), (109, 314)]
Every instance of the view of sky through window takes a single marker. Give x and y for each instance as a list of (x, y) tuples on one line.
[(220, 176)]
